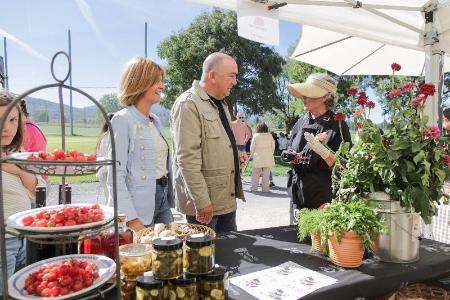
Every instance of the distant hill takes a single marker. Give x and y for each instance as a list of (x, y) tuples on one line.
[(87, 114), (79, 114)]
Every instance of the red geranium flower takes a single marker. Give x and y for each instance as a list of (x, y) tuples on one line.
[(418, 100), (395, 93), (396, 67), (362, 101), (408, 86), (446, 159), (370, 104), (427, 89), (432, 132), (339, 117), (351, 91)]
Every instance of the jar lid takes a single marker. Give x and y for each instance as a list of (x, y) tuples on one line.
[(199, 240), (183, 280), (121, 218), (149, 282), (219, 273), (167, 243)]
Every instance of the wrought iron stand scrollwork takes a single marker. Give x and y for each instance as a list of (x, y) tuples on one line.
[(62, 169)]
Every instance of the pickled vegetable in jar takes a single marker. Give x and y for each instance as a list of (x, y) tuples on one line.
[(183, 288), (167, 258), (135, 259), (213, 286), (199, 254), (149, 288), (127, 288)]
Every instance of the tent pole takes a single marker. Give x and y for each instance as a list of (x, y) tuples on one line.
[(434, 70)]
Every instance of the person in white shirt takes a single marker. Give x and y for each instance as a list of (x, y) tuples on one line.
[(101, 150), (262, 149)]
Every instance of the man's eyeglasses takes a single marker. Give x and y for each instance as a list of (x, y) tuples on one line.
[(242, 118)]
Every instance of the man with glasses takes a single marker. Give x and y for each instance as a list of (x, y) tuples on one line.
[(241, 132), (206, 163)]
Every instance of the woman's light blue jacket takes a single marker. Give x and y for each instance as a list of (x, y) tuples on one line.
[(135, 155)]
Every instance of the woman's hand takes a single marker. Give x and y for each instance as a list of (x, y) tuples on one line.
[(136, 225), (317, 146)]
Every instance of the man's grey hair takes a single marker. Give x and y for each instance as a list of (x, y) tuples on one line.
[(213, 61)]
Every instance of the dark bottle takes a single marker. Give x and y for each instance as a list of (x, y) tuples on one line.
[(37, 251)]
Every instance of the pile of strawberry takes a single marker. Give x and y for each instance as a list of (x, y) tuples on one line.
[(66, 216), (58, 154), (59, 279)]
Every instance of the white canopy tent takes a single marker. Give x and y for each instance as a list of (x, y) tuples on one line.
[(351, 37)]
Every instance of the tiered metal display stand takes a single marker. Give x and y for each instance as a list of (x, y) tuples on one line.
[(63, 169)]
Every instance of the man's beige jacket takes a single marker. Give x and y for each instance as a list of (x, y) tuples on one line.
[(203, 164)]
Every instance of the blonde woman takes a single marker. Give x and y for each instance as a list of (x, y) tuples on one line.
[(261, 149), (144, 189)]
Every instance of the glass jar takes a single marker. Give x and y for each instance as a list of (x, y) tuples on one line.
[(127, 288), (167, 258), (184, 287), (148, 288), (199, 254), (108, 238), (135, 259), (213, 285)]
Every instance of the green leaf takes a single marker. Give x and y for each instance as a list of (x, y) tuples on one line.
[(418, 157)]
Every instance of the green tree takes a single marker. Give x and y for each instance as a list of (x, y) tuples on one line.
[(186, 50), (109, 103)]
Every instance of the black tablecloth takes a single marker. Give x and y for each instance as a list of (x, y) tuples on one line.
[(249, 251)]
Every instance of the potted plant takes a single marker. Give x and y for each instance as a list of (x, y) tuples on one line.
[(403, 161), (309, 222), (349, 228)]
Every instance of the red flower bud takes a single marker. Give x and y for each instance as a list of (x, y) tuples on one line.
[(351, 91), (339, 117), (418, 100), (370, 104), (395, 93), (396, 67)]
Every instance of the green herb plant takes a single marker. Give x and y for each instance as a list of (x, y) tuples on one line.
[(309, 221)]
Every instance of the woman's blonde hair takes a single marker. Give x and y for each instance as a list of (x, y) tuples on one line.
[(7, 98), (139, 75)]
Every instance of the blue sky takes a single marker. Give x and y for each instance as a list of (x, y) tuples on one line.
[(105, 35)]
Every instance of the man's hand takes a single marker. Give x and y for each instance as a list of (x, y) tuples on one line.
[(205, 215), (317, 146), (136, 225)]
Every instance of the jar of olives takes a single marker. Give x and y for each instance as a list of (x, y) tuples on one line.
[(183, 288), (199, 254), (148, 288), (167, 258), (214, 285), (135, 259)]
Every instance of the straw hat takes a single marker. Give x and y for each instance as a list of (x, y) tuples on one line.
[(316, 86)]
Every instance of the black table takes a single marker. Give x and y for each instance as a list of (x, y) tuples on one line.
[(254, 250)]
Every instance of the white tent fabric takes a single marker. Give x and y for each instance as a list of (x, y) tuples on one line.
[(400, 23), (356, 56)]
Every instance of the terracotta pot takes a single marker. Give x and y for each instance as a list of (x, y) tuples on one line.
[(349, 252), (316, 245)]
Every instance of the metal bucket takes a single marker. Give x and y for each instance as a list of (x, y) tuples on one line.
[(401, 242)]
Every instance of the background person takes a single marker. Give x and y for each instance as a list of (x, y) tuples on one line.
[(206, 163), (34, 138), (101, 150), (262, 152), (311, 179), (144, 190), (18, 185), (241, 132)]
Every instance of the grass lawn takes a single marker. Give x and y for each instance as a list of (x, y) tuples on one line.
[(280, 168)]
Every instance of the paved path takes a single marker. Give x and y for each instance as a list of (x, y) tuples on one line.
[(260, 210)]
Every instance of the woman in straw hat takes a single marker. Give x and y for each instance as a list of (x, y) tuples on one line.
[(314, 138)]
